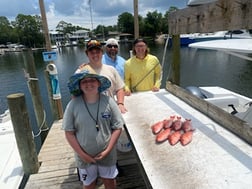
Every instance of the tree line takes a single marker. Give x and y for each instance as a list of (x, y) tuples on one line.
[(27, 29)]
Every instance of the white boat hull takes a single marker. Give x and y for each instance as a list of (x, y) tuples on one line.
[(11, 171), (229, 101)]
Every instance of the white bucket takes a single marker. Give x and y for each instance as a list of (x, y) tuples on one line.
[(123, 143)]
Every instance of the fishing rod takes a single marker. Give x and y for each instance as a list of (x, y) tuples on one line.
[(164, 55), (162, 65)]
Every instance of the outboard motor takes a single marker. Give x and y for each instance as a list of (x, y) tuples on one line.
[(196, 91)]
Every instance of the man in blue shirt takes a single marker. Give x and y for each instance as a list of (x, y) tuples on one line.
[(111, 57)]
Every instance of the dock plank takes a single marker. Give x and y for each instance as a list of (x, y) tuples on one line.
[(58, 169)]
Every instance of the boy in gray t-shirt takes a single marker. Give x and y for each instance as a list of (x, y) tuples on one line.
[(92, 122)]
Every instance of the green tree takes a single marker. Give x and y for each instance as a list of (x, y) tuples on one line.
[(165, 27), (65, 28), (141, 25), (5, 30), (68, 28), (126, 23), (153, 23), (28, 29)]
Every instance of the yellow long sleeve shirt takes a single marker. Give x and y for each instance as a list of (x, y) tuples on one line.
[(136, 70)]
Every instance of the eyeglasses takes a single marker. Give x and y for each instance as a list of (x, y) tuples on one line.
[(91, 80), (110, 46), (140, 46)]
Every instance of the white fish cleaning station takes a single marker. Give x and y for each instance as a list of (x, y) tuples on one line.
[(216, 158)]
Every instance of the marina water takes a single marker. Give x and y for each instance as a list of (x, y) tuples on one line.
[(198, 68)]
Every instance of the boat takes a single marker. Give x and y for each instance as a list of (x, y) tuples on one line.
[(187, 39), (237, 47), (54, 47), (198, 2), (126, 38), (231, 102), (11, 170), (220, 35)]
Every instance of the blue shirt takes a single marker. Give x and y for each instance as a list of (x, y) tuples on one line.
[(118, 64)]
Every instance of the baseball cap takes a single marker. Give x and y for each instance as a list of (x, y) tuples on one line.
[(111, 41), (93, 44)]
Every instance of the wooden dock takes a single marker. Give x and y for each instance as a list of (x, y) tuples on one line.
[(58, 168)]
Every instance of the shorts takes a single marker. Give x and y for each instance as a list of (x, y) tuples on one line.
[(89, 174)]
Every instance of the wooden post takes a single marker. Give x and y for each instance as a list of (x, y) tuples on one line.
[(23, 133), (56, 103), (45, 25), (56, 114), (35, 94), (136, 24), (176, 59)]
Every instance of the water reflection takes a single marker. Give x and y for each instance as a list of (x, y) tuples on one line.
[(198, 67)]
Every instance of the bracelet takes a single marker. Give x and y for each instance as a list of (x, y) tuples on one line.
[(120, 104)]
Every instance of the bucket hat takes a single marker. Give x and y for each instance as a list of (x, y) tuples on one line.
[(74, 82)]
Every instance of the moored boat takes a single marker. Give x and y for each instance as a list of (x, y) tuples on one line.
[(231, 102), (199, 2), (11, 170)]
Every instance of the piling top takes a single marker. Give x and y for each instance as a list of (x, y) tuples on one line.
[(15, 95)]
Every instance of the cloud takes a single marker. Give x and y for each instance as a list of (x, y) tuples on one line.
[(77, 12)]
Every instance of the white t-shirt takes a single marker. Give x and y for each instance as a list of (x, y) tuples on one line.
[(109, 72)]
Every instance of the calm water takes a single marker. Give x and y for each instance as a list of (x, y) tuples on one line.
[(198, 68)]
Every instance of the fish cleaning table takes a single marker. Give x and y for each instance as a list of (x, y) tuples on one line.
[(215, 158)]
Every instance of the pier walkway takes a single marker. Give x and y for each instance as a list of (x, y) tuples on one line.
[(216, 158), (58, 168)]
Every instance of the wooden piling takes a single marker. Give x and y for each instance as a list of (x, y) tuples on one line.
[(56, 103), (23, 133), (176, 59), (33, 85)]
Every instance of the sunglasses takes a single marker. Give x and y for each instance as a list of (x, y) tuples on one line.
[(110, 46)]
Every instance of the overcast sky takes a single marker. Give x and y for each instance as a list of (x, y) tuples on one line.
[(77, 12)]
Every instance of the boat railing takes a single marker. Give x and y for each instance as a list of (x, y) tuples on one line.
[(247, 115), (5, 116)]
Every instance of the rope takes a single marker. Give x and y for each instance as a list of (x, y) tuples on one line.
[(164, 55), (40, 128), (169, 69), (166, 44), (134, 87), (27, 76)]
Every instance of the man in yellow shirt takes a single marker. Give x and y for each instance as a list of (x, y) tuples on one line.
[(143, 71)]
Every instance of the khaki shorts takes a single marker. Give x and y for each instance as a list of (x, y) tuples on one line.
[(89, 174)]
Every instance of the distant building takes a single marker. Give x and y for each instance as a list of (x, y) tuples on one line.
[(126, 38), (113, 34), (79, 35), (57, 36)]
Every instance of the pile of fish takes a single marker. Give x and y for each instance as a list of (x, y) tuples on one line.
[(174, 130)]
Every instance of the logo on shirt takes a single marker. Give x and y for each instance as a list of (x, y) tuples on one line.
[(106, 115)]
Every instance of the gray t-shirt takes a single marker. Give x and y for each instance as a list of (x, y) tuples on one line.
[(76, 118)]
